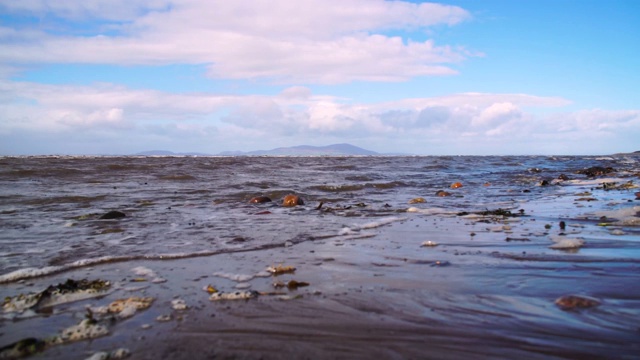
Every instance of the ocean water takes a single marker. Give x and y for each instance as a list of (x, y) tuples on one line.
[(485, 290), (181, 206)]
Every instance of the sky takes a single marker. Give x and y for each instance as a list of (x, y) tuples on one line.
[(490, 77)]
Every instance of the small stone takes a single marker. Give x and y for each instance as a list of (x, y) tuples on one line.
[(442, 193), (417, 200), (456, 185), (429, 244), (113, 215)]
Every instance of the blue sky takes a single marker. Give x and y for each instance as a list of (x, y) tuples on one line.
[(450, 77)]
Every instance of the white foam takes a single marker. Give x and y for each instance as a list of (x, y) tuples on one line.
[(563, 242), (234, 277)]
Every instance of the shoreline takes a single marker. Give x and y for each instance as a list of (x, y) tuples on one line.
[(378, 292)]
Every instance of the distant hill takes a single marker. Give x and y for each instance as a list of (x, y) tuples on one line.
[(301, 150), (307, 150), (168, 153)]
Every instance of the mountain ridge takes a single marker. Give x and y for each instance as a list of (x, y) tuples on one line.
[(342, 149)]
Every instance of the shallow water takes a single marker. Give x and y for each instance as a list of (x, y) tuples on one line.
[(486, 290)]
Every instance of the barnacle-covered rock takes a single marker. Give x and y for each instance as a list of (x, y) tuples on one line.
[(69, 291), (86, 329), (238, 295)]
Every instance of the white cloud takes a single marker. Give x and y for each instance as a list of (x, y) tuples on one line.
[(144, 119), (310, 41)]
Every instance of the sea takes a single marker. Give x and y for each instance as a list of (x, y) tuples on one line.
[(181, 207)]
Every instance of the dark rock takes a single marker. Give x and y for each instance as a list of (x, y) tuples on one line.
[(596, 171), (260, 200), (443, 193), (563, 177), (113, 215)]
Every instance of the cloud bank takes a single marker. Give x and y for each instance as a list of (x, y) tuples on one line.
[(308, 41)]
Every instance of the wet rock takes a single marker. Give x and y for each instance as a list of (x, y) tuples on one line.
[(260, 200), (291, 284), (238, 295), (280, 269), (292, 200), (563, 177), (545, 183), (86, 329), (429, 243), (596, 171), (569, 302), (442, 193), (456, 185), (114, 214), (417, 200), (23, 348), (638, 195)]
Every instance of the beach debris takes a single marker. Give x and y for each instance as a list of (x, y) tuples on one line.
[(69, 291), (237, 295), (163, 318), (456, 185), (428, 243), (617, 232), (22, 348), (260, 200), (280, 269), (110, 355), (563, 225), (508, 239), (86, 329), (145, 272), (291, 284), (417, 200), (292, 200), (210, 289), (114, 214), (178, 304), (565, 243), (442, 193), (569, 302)]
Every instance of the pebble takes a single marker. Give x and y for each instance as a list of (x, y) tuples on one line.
[(568, 302)]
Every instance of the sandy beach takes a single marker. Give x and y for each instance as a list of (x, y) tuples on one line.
[(410, 285)]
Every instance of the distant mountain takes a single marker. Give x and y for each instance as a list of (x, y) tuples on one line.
[(307, 150), (168, 153), (302, 150)]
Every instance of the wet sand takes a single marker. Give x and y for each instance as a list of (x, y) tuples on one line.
[(487, 290)]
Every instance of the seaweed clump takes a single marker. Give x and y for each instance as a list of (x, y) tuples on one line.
[(497, 212)]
